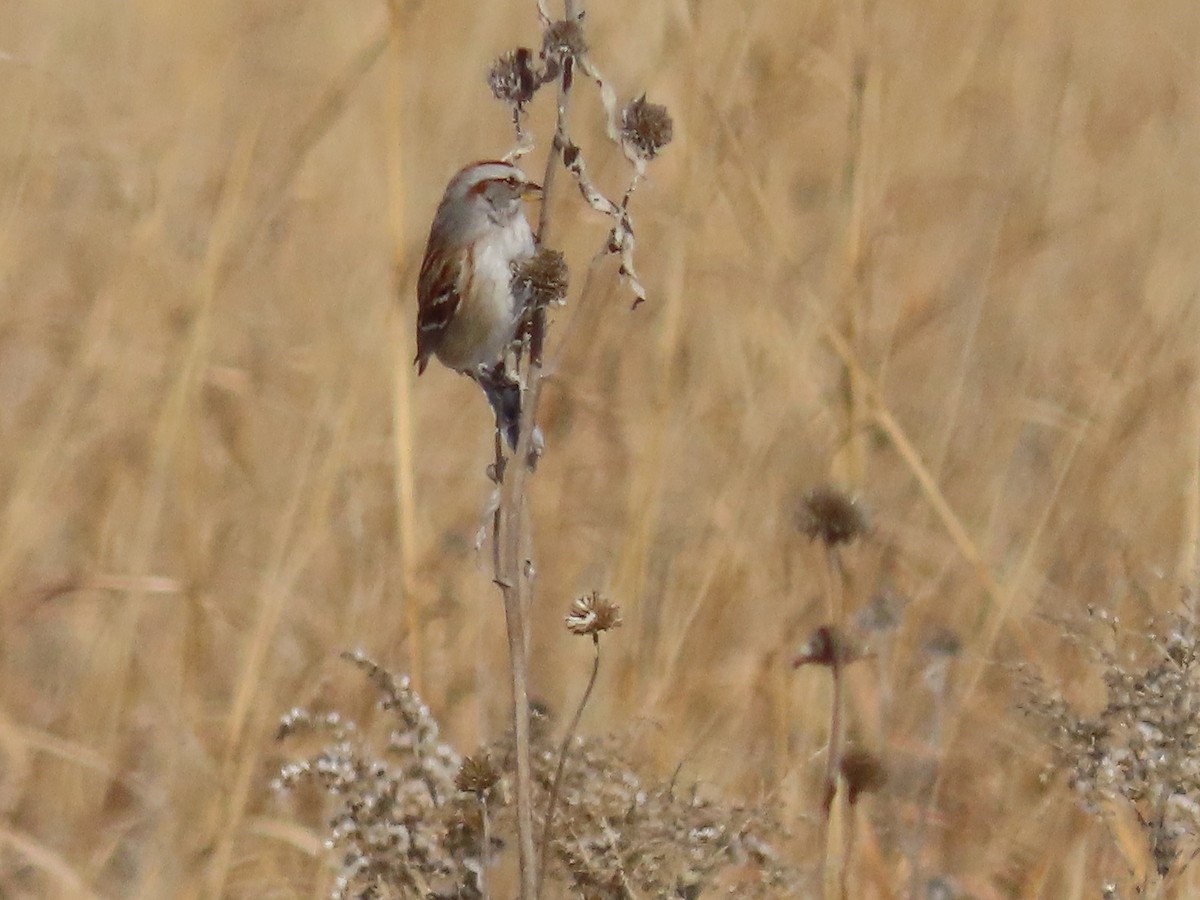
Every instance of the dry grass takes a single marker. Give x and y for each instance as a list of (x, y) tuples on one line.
[(941, 253)]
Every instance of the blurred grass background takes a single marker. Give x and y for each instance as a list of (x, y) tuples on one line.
[(217, 468)]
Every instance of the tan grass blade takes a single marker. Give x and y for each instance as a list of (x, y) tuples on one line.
[(403, 480)]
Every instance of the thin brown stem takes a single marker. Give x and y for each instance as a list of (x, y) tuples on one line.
[(833, 756), (508, 544), (537, 327), (485, 849), (509, 580), (563, 750), (851, 829), (830, 784)]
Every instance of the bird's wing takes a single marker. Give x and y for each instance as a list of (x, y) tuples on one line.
[(439, 294)]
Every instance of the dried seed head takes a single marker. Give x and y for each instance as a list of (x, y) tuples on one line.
[(863, 771), (831, 515), (563, 39), (646, 127), (543, 278), (512, 78), (592, 614), (476, 775), (827, 647)]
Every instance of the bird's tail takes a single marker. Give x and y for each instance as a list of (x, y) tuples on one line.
[(504, 394)]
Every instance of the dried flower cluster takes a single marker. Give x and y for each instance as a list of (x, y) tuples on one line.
[(1142, 746), (393, 809), (641, 129), (617, 834), (831, 515), (515, 76)]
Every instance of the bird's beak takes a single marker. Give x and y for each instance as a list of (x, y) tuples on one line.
[(531, 189)]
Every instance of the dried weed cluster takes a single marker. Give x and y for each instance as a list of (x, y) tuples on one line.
[(412, 818), (1143, 747), (401, 820)]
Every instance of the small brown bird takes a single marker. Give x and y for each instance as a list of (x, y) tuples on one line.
[(468, 313)]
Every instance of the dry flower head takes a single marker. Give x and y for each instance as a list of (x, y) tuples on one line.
[(831, 515), (592, 614), (646, 127), (476, 775), (512, 77), (542, 278), (563, 39)]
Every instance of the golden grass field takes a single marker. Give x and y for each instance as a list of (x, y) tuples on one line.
[(942, 254)]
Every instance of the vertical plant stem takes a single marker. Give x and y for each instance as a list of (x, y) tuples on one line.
[(485, 850), (508, 541), (508, 538), (836, 726), (537, 331), (830, 785), (851, 829), (552, 802)]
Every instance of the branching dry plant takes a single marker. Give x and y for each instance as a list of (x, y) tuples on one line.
[(836, 519), (413, 819), (640, 129), (941, 253), (1140, 754)]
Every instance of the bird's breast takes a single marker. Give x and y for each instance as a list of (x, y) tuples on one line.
[(487, 317)]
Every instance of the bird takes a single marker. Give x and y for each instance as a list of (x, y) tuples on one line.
[(468, 310)]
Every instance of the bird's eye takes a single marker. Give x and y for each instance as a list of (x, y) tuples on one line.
[(511, 181)]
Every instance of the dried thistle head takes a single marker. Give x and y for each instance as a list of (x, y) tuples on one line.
[(542, 278), (476, 775), (512, 78), (592, 614), (646, 127), (863, 771), (827, 647), (563, 39), (831, 515)]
